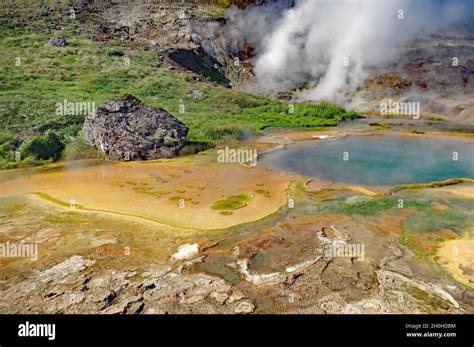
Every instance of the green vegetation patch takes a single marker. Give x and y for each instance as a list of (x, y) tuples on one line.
[(45, 147), (435, 184), (150, 191), (79, 148), (67, 218), (178, 198), (232, 202), (54, 200), (364, 208), (433, 301), (263, 192)]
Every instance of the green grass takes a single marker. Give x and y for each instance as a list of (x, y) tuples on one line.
[(232, 202), (78, 148), (88, 71)]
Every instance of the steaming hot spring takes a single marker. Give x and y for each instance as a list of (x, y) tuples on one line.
[(378, 160)]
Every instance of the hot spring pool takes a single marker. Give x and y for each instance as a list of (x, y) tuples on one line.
[(377, 160)]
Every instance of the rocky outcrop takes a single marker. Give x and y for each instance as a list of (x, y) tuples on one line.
[(128, 130), (76, 286), (188, 35)]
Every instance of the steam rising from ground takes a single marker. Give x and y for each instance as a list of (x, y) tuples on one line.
[(326, 46)]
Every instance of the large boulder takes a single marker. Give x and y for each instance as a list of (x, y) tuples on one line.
[(126, 129)]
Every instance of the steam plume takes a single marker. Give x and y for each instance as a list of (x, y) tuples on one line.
[(326, 46)]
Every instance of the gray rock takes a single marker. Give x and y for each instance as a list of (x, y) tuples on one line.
[(60, 271), (59, 41), (195, 94), (128, 130), (131, 274)]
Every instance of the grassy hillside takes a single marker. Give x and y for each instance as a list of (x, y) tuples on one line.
[(33, 78)]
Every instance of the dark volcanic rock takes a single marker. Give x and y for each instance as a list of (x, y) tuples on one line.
[(59, 41), (126, 129)]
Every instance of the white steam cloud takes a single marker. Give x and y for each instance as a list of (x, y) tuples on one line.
[(324, 47)]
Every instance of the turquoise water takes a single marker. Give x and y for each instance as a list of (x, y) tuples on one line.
[(377, 160)]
